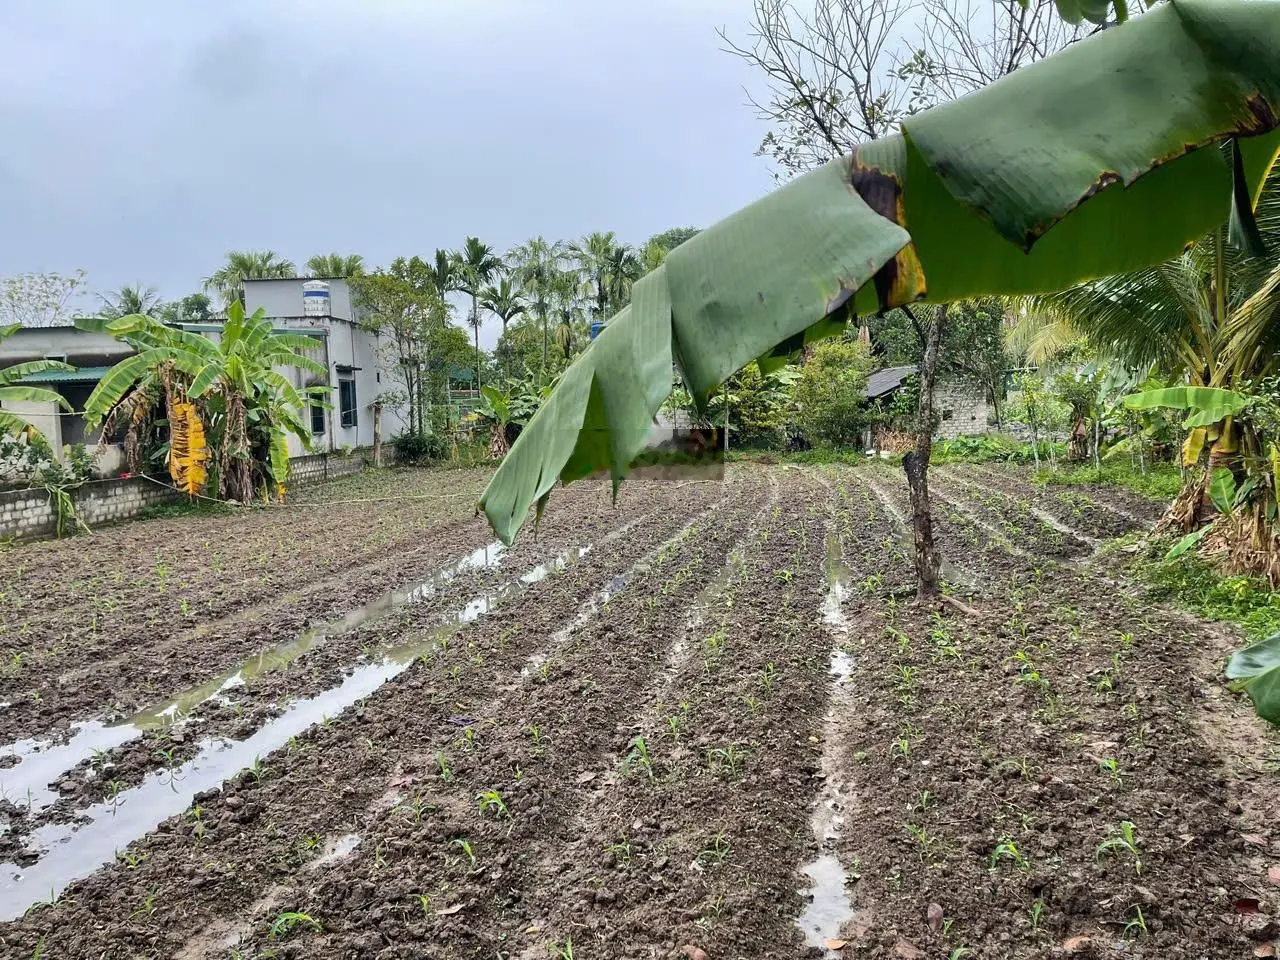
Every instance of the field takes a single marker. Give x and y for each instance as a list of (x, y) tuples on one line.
[(709, 721)]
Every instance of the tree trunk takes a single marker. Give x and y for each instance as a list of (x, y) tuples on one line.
[(475, 325), (916, 465), (377, 434)]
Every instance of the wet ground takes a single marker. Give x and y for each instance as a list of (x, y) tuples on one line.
[(707, 719)]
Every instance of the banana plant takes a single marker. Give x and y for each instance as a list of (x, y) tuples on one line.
[(242, 402), (1051, 176)]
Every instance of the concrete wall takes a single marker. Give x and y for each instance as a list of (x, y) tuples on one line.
[(28, 514), (283, 298), (962, 405)]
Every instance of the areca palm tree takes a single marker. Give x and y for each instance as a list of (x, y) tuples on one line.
[(131, 299), (536, 265), (336, 265), (476, 265), (12, 390), (595, 255), (242, 265), (504, 302)]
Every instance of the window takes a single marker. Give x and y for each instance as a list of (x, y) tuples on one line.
[(948, 414), (347, 402), (317, 419)]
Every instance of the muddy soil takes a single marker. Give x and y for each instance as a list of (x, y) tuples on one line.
[(707, 721)]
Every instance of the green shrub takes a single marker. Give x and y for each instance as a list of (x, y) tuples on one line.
[(831, 392), (420, 449)]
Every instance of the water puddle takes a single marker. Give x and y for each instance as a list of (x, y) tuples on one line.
[(40, 761), (830, 906), (72, 851)]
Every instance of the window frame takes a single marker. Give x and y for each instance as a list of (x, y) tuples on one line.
[(348, 415)]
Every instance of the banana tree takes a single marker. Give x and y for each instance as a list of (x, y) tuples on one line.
[(227, 403), (1051, 176), (13, 390)]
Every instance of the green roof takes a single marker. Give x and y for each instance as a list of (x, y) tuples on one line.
[(79, 375)]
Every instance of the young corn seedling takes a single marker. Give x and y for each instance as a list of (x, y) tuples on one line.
[(1123, 840), (463, 844), (1137, 926), (1109, 766), (287, 922), (1007, 849), (638, 757), (491, 802), (1036, 914), (718, 849), (446, 771), (726, 758), (561, 951)]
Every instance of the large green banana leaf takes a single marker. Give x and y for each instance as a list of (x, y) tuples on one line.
[(1100, 160)]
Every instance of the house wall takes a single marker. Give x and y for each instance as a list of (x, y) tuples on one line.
[(962, 405), (283, 298)]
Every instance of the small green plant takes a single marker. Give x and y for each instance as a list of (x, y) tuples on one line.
[(1109, 766), (728, 759), (638, 756), (491, 802), (287, 922), (257, 769), (1007, 849), (718, 849), (620, 850), (1136, 926), (1123, 839), (463, 844), (562, 951), (922, 837), (446, 771), (1036, 914), (148, 907)]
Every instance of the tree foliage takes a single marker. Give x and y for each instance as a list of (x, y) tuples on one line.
[(38, 299), (831, 393)]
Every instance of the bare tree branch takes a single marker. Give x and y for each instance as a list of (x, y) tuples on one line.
[(842, 72)]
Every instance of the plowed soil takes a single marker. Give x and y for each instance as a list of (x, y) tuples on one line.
[(707, 721)]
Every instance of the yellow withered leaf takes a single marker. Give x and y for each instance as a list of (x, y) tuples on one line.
[(188, 451)]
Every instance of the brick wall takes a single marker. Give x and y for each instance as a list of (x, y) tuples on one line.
[(962, 405), (28, 514)]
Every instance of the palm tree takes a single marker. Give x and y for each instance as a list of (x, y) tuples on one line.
[(243, 265), (127, 300), (335, 265), (624, 269), (477, 264), (504, 302), (595, 255), (12, 390), (535, 265)]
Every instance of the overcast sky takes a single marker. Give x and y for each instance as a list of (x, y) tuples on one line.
[(143, 140)]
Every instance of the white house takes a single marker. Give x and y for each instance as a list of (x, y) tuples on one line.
[(354, 356), (314, 307)]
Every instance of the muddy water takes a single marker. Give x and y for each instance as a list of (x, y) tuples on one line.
[(74, 851), (830, 906), (41, 761)]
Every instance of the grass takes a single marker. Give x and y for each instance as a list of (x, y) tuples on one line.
[(1162, 481), (1194, 584)]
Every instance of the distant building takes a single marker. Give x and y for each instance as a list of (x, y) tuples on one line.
[(359, 365), (357, 368), (961, 404)]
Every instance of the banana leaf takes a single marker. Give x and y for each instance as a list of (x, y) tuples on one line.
[(1256, 670), (1100, 160), (1208, 405)]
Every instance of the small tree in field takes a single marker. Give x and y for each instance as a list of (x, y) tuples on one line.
[(831, 394)]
